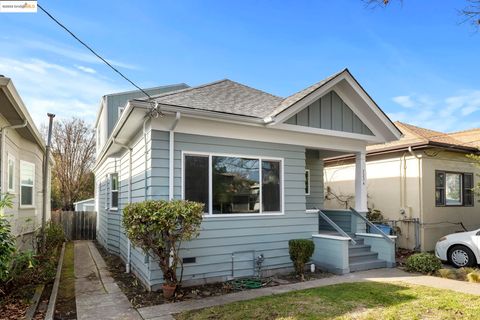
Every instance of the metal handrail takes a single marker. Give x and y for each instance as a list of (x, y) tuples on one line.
[(334, 225), (383, 234)]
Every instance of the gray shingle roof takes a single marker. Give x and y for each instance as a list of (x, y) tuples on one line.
[(227, 96), (224, 96)]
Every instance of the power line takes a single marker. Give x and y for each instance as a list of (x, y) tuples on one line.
[(93, 51)]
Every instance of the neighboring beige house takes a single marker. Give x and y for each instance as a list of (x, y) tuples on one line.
[(22, 153), (421, 182)]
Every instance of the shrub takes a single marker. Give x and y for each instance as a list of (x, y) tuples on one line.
[(463, 272), (448, 273), (160, 227), (374, 215), (425, 263), (473, 277), (300, 251), (7, 241), (54, 236)]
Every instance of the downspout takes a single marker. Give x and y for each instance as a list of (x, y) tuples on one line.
[(3, 132), (171, 159), (146, 158), (129, 244), (420, 198)]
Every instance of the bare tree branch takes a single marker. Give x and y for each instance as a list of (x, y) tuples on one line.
[(73, 148), (471, 12)]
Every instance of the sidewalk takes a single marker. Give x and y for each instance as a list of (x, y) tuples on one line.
[(165, 311), (97, 295)]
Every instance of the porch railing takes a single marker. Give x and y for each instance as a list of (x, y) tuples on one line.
[(334, 225), (372, 226)]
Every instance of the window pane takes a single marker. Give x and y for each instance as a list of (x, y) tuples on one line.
[(468, 189), (235, 184), (453, 187), (271, 186), (114, 199), (114, 181), (26, 196), (440, 197), (196, 179), (440, 180), (27, 173), (11, 165)]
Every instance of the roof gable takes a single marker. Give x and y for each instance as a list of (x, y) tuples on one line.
[(332, 113)]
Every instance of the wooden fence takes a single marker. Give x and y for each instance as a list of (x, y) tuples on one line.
[(77, 225)]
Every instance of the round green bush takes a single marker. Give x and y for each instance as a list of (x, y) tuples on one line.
[(425, 263), (300, 251)]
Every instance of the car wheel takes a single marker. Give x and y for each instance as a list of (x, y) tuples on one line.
[(461, 256)]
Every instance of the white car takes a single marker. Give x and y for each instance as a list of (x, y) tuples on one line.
[(460, 249)]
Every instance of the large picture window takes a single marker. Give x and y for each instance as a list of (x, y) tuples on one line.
[(27, 183), (453, 189), (233, 185)]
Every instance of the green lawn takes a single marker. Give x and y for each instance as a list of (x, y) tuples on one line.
[(366, 300)]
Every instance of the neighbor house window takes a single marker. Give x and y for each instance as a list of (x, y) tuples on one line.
[(114, 191), (27, 183), (120, 111), (233, 185), (11, 173), (453, 189), (307, 182)]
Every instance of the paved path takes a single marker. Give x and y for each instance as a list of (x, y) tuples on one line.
[(165, 311), (98, 296)]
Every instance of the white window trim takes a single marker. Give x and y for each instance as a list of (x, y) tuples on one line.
[(27, 206), (307, 171), (110, 190), (210, 214), (10, 157)]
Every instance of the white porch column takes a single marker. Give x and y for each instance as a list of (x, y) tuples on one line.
[(360, 182)]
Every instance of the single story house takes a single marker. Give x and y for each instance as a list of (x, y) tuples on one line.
[(85, 205), (22, 154), (422, 183), (256, 161)]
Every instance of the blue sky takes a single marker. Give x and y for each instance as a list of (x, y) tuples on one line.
[(417, 61)]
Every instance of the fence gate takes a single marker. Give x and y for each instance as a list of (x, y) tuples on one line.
[(77, 225)]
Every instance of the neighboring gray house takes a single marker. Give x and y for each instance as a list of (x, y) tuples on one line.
[(256, 161), (85, 205)]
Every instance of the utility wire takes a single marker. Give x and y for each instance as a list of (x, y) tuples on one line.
[(93, 51)]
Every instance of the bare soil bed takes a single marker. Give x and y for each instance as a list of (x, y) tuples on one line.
[(140, 297)]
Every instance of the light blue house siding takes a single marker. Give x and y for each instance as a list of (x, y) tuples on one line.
[(118, 100), (227, 245), (332, 113)]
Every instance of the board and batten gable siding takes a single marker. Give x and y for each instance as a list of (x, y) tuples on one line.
[(332, 113), (220, 237)]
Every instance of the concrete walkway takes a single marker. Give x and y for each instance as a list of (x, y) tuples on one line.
[(97, 295), (165, 311)]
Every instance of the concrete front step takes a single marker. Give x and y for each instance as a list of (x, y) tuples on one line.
[(352, 249), (367, 265), (362, 256)]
